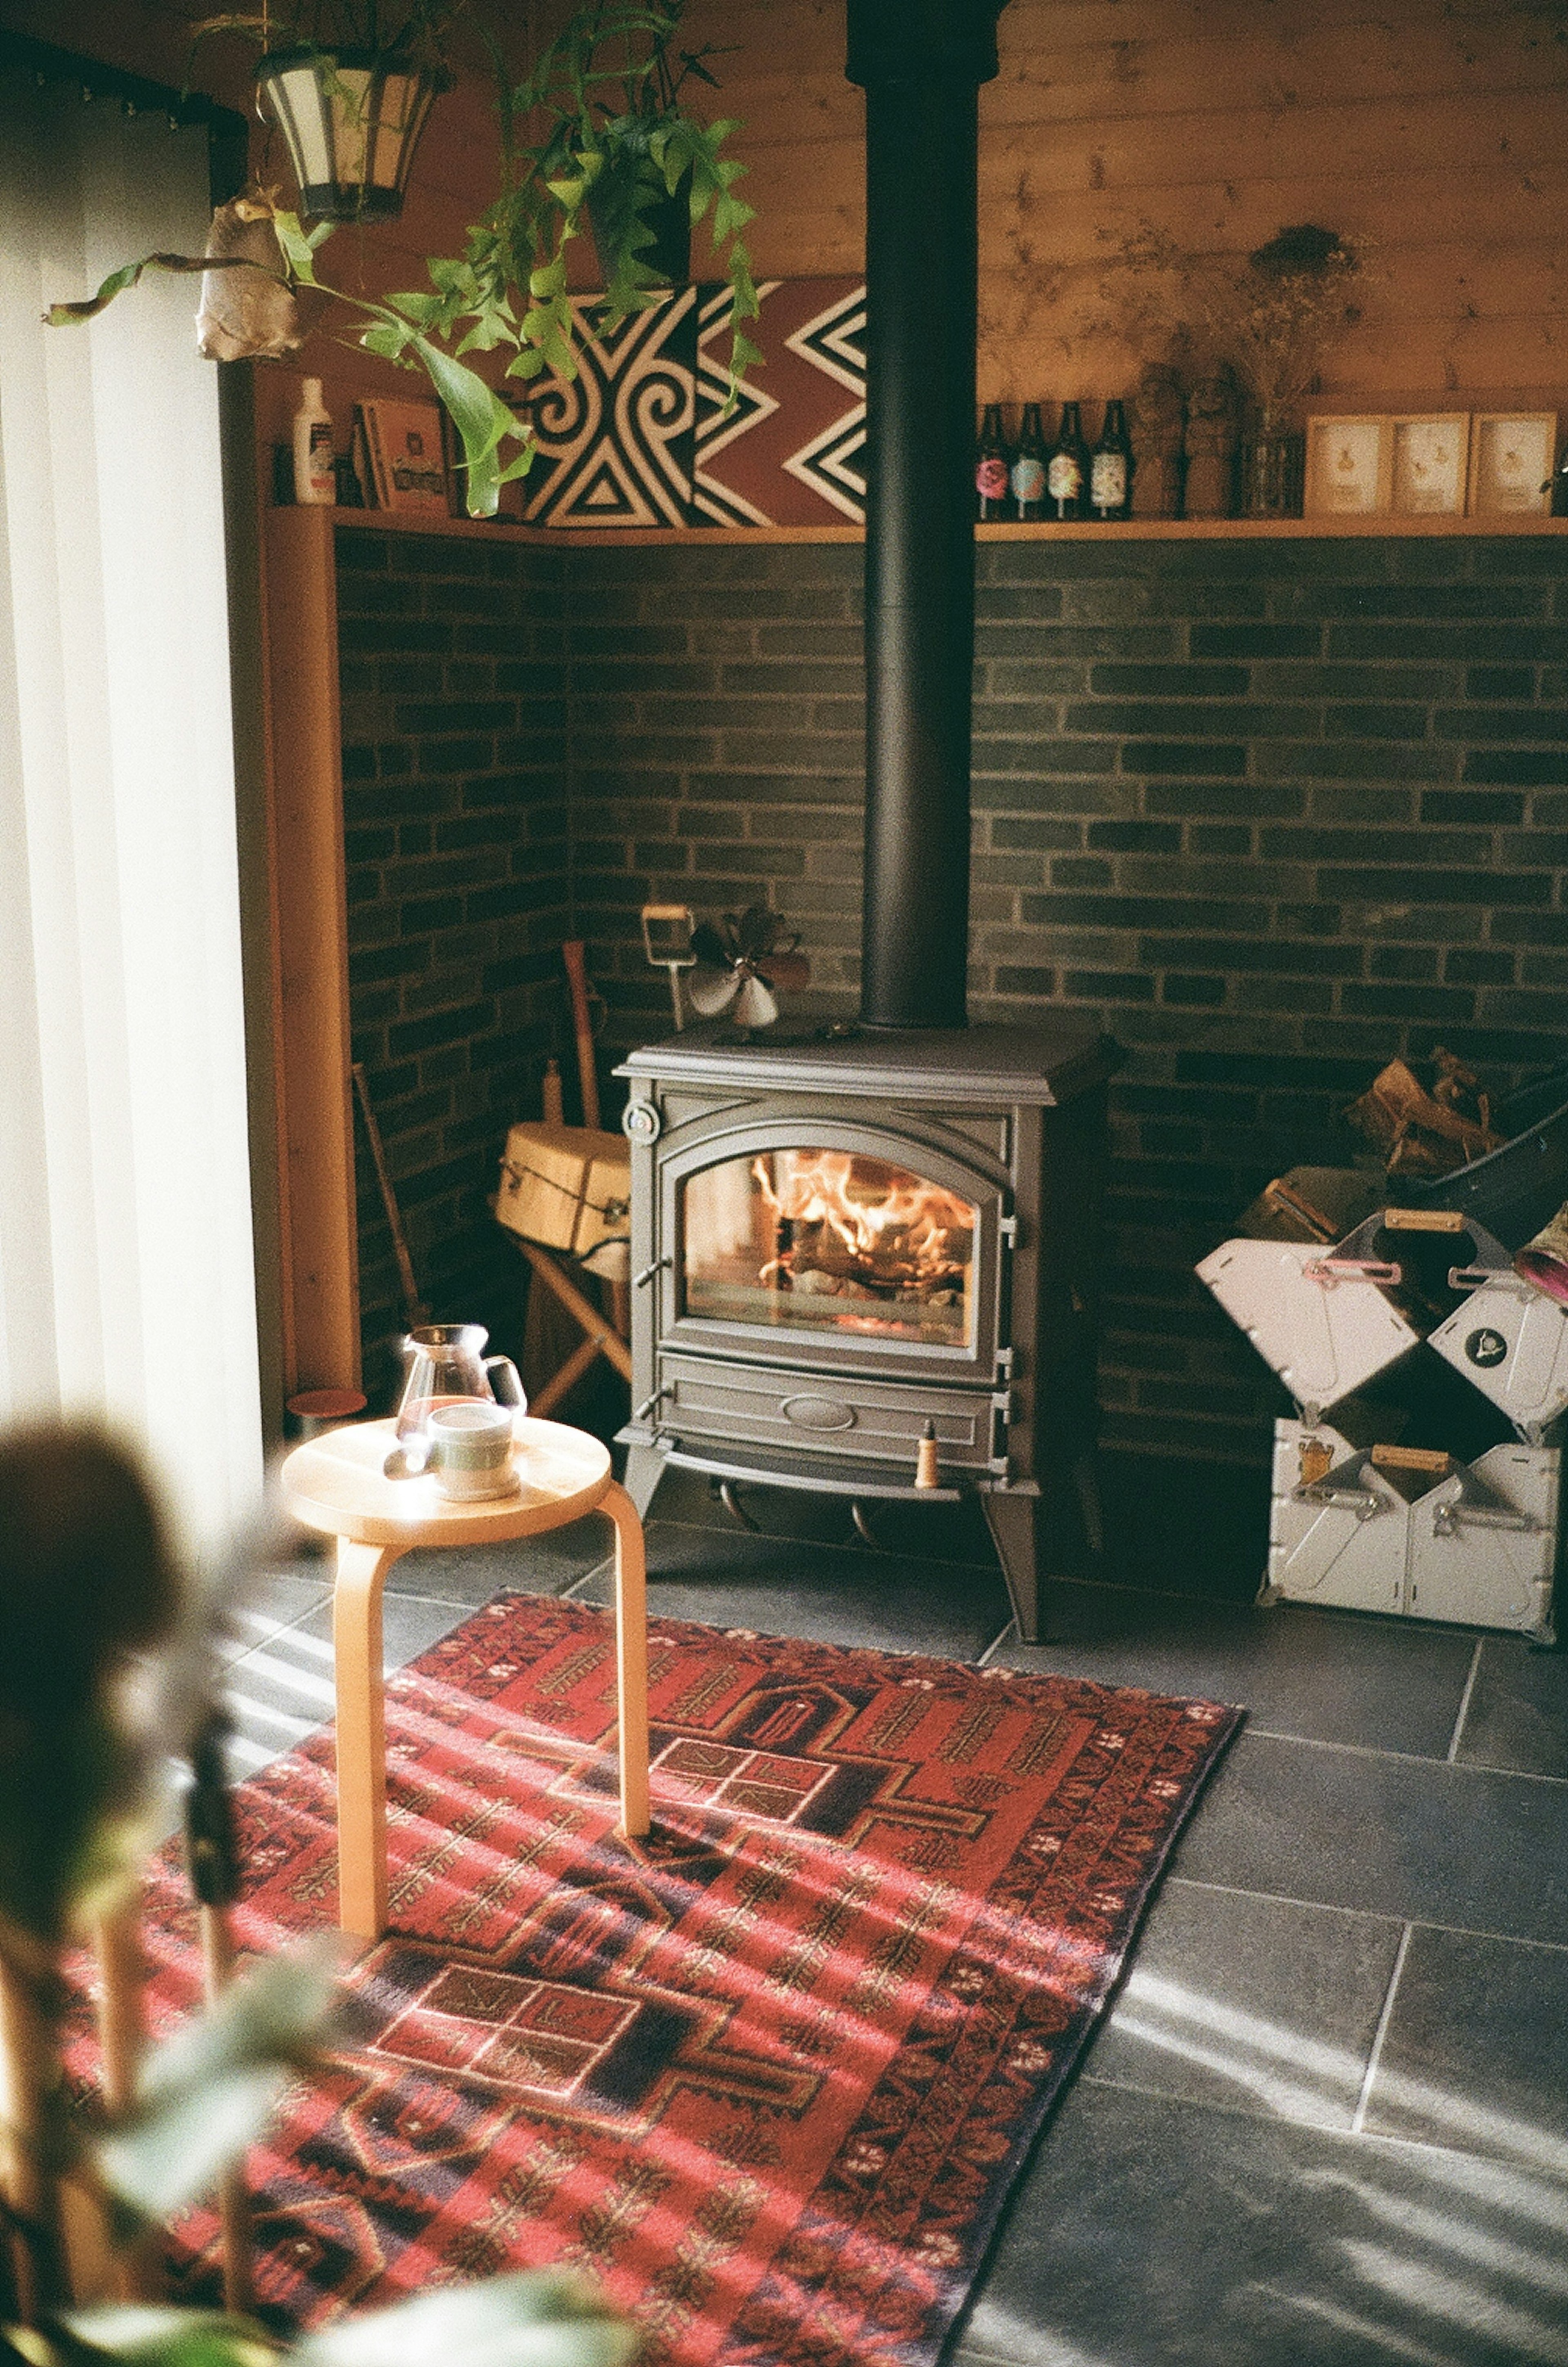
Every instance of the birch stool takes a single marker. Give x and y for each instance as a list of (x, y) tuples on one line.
[(337, 1484)]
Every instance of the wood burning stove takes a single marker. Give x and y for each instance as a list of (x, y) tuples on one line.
[(835, 1241), (838, 1240)]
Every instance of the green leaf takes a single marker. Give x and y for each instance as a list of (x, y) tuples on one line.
[(206, 2092), (531, 2319), (59, 316), (387, 339), (62, 316), (299, 253), (148, 2335), (418, 307), (480, 418)]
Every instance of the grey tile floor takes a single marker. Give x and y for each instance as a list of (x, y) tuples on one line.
[(1326, 2122)]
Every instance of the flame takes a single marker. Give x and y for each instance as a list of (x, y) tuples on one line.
[(905, 1232)]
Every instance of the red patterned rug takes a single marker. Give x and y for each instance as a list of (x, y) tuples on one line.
[(769, 2076)]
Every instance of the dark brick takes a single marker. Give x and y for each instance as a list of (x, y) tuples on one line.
[(1250, 797), (1254, 640), (1421, 846), (1406, 1001), (1501, 723), (1179, 914), (1529, 766), (1502, 643), (1159, 757), (1049, 836), (1295, 960), (1182, 990), (1012, 980), (1416, 601), (1499, 681), (1169, 680), (1373, 887), (1133, 837), (1489, 807), (1406, 961), (1108, 986), (1173, 719), (1374, 722), (1466, 968)]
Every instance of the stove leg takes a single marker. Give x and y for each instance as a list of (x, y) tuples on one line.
[(1085, 1480), (645, 1469), (1015, 1524)]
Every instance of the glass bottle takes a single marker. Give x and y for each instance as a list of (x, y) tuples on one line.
[(1028, 476), (1066, 471), (1111, 467), (992, 466)]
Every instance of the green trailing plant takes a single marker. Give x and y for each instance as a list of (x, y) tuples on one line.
[(108, 1663), (614, 140), (483, 422)]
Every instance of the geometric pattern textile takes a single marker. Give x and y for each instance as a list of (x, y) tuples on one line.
[(641, 436), (770, 2074)]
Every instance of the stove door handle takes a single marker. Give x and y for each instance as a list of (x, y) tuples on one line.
[(639, 1280)]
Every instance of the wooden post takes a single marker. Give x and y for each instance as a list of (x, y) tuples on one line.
[(361, 1736), (320, 1255), (631, 1656)]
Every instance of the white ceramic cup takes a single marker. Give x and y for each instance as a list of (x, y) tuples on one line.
[(470, 1449)]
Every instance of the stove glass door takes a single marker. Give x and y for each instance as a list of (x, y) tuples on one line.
[(830, 1241)]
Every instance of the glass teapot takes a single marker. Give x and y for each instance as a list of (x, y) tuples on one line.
[(446, 1363)]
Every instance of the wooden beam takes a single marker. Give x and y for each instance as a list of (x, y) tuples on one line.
[(321, 1254)]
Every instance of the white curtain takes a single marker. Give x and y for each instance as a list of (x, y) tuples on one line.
[(126, 1277)]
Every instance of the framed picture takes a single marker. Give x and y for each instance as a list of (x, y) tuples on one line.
[(1349, 463), (1511, 460), (408, 467), (1431, 462)]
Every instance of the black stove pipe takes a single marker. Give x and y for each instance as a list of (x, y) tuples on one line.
[(921, 64)]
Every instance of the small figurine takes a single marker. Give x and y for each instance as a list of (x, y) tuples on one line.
[(1157, 442), (1214, 431)]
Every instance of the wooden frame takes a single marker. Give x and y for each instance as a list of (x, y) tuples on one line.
[(315, 1112), (1349, 463), (1512, 455), (1429, 471)]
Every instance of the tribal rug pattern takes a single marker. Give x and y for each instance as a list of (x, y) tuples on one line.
[(769, 2075), (642, 435)]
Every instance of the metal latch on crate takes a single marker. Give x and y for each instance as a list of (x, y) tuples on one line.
[(1448, 1520)]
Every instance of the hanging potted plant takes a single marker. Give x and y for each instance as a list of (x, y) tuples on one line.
[(350, 85), (615, 142), (614, 139)]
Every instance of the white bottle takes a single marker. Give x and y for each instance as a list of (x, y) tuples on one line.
[(313, 476)]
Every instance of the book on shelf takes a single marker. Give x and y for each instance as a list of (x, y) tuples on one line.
[(406, 455)]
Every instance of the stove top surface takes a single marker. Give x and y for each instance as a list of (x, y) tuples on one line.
[(1047, 1065)]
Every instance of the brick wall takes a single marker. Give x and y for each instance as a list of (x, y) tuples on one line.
[(1272, 810), (455, 810)]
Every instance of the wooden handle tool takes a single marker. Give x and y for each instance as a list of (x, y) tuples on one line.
[(414, 1306), (577, 978)]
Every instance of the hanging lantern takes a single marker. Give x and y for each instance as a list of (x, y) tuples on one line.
[(352, 120)]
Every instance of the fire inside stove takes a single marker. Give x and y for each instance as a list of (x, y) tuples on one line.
[(829, 1241)]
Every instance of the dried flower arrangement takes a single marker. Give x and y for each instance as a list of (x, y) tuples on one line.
[(1267, 316)]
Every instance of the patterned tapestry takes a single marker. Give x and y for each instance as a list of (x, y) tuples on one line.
[(640, 438), (768, 2074)]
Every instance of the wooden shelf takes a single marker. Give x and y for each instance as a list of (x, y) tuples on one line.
[(1121, 530)]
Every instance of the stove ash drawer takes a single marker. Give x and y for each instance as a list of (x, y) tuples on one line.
[(879, 1421)]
